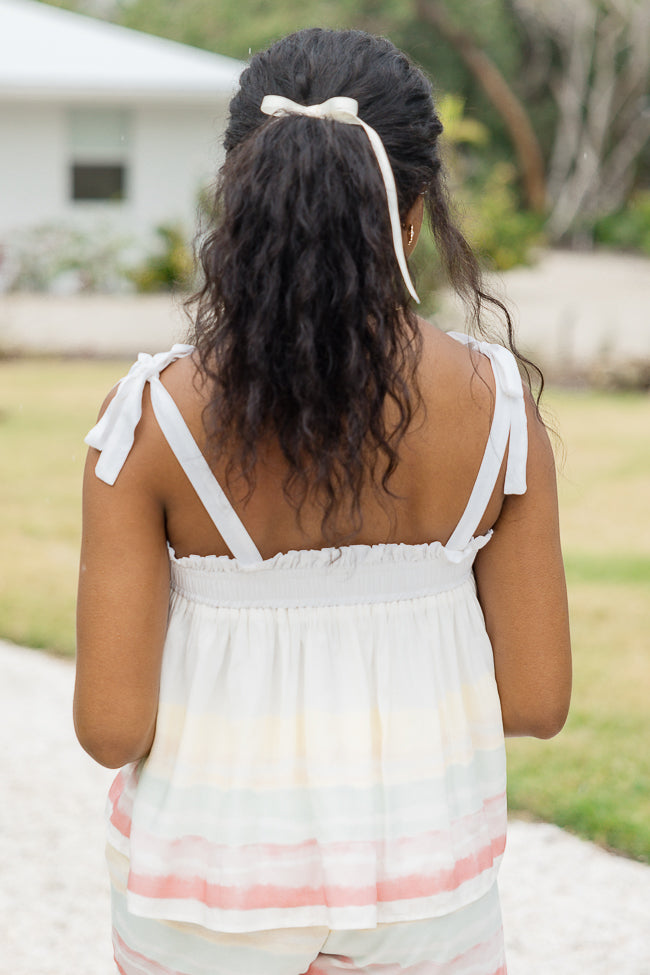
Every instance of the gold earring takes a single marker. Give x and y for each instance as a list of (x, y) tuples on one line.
[(411, 234)]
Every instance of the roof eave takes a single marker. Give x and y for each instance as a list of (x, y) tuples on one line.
[(131, 95)]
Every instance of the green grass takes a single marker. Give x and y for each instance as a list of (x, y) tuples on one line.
[(614, 569), (46, 408), (594, 778)]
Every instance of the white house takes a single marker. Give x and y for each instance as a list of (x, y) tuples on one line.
[(100, 125)]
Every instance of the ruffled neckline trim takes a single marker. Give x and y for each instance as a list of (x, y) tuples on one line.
[(344, 557)]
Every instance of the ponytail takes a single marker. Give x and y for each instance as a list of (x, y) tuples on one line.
[(300, 323), (303, 322)]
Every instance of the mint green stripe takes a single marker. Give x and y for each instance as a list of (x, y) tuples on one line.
[(342, 813)]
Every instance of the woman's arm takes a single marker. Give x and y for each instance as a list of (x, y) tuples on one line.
[(522, 590), (121, 610)]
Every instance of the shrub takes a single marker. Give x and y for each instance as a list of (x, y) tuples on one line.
[(63, 258), (497, 226), (486, 202), (170, 267), (629, 228)]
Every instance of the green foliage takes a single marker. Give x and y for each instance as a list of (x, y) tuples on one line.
[(629, 228), (231, 27), (496, 224), (170, 267), (486, 202), (459, 129), (501, 230), (237, 27), (498, 227)]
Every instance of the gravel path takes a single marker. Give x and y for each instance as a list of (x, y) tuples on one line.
[(569, 908)]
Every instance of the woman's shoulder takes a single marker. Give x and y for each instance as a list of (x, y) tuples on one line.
[(127, 425), (454, 378)]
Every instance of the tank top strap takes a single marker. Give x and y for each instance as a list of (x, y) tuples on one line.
[(114, 434), (508, 431)]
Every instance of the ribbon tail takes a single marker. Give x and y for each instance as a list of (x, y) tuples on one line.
[(114, 434), (505, 362), (515, 482), (391, 195)]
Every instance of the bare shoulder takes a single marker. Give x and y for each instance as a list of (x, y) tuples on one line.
[(457, 387), (189, 386), (453, 366)]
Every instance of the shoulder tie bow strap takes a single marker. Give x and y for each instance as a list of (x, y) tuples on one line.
[(507, 375), (508, 380), (114, 434), (345, 110)]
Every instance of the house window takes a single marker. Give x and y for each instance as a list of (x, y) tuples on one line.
[(90, 182), (99, 154)]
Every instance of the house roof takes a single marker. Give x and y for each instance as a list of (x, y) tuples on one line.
[(50, 53)]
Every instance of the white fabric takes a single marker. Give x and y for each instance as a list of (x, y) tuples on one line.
[(113, 435), (198, 472), (334, 763), (345, 110), (329, 744), (509, 429)]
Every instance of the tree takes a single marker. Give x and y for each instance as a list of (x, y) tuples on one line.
[(502, 96), (599, 57), (564, 80)]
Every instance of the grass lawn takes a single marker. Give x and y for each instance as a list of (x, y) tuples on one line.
[(593, 778), (46, 409)]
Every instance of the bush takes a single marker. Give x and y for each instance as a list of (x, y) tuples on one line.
[(629, 228), (65, 259), (501, 231), (171, 267), (497, 226)]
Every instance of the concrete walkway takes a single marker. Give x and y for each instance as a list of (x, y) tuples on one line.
[(569, 908)]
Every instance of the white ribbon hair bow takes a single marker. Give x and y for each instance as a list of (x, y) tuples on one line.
[(342, 109)]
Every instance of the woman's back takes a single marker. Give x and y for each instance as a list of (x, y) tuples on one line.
[(334, 705), (439, 460)]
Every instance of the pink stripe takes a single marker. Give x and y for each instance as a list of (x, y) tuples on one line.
[(202, 850), (120, 797), (260, 896), (128, 954), (420, 885)]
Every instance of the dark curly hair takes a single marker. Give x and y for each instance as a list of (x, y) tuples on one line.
[(303, 322)]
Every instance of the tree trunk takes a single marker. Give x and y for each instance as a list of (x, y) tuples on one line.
[(600, 86), (513, 113)]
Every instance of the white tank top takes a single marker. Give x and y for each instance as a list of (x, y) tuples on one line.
[(329, 746)]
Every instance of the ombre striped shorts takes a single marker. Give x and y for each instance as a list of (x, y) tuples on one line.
[(467, 942)]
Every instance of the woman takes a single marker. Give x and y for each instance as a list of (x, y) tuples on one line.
[(310, 709)]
